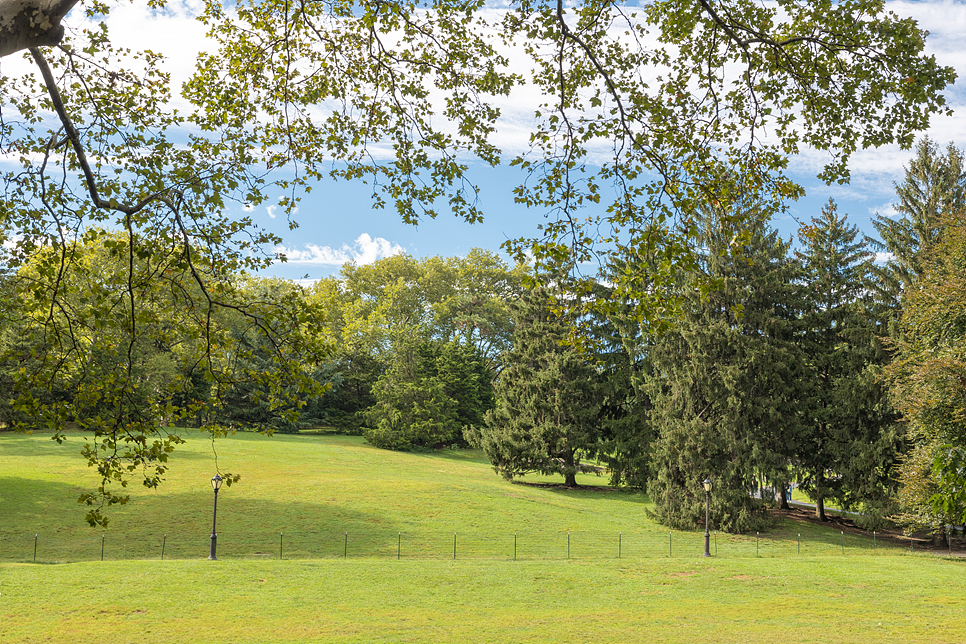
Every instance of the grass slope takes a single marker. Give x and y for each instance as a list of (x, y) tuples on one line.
[(335, 496), (317, 489)]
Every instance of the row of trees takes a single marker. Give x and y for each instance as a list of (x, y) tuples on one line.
[(643, 113), (775, 368), (816, 365), (770, 376)]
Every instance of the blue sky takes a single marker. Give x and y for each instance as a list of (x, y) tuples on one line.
[(337, 222)]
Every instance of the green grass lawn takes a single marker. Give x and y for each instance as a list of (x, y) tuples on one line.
[(627, 578), (861, 599)]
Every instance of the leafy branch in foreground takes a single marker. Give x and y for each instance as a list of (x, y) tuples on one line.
[(123, 267), (647, 113)]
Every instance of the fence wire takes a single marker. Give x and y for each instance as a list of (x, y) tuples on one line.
[(385, 544)]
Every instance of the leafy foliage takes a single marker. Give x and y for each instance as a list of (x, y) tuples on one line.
[(929, 376), (650, 111)]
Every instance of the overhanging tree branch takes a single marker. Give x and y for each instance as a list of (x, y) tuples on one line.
[(27, 24), (75, 140)]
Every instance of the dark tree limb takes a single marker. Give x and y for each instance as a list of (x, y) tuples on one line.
[(27, 24)]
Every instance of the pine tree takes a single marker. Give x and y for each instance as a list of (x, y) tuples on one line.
[(723, 383), (547, 407), (933, 188), (850, 445), (430, 392)]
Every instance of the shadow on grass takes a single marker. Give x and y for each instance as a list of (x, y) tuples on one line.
[(590, 491), (180, 525)]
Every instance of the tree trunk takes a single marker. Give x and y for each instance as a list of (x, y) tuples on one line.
[(31, 23), (570, 469), (570, 478), (820, 499), (784, 494)]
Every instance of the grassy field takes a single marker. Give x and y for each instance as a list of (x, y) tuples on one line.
[(881, 599), (627, 579), (335, 496)]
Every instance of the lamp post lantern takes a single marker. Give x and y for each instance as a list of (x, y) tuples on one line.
[(215, 485), (707, 513)]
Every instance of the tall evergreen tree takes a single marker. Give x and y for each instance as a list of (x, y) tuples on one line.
[(431, 390), (850, 443), (546, 414), (934, 186), (723, 383)]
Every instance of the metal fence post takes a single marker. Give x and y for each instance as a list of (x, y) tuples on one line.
[(164, 542), (35, 547), (103, 536), (280, 535), (620, 538)]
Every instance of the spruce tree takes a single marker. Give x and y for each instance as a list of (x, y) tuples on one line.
[(723, 383), (547, 407), (934, 187), (430, 392), (850, 442)]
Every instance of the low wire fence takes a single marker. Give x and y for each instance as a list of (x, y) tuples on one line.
[(384, 544)]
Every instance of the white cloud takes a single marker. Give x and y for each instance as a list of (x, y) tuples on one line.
[(271, 210), (886, 210), (882, 258), (365, 250)]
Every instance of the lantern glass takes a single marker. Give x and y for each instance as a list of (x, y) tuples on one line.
[(707, 485), (216, 482)]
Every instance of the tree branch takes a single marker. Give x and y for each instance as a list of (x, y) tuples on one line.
[(74, 136), (27, 24)]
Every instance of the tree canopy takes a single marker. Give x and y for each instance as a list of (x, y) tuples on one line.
[(649, 112)]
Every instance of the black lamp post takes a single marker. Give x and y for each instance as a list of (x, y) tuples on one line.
[(215, 485), (707, 513)]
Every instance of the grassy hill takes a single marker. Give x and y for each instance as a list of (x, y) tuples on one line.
[(335, 496), (317, 489)]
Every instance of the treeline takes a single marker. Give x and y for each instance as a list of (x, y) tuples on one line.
[(415, 346), (810, 363), (783, 360), (404, 350)]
